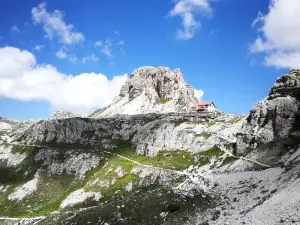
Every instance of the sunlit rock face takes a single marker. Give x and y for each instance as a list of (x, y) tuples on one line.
[(151, 90), (275, 117)]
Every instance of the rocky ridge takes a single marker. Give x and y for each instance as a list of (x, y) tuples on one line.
[(275, 117), (163, 168)]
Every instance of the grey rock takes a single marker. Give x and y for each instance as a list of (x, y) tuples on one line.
[(275, 117), (144, 90)]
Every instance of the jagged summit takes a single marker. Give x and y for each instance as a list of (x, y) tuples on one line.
[(277, 116), (286, 85), (151, 90)]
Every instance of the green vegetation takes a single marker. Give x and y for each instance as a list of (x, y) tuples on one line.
[(107, 175), (18, 149), (246, 152), (163, 100), (46, 199), (211, 124), (168, 159), (228, 160), (22, 149), (205, 157), (206, 136), (214, 151), (106, 178), (180, 102)]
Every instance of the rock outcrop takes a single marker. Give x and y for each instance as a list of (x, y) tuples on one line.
[(275, 117), (64, 114), (150, 90)]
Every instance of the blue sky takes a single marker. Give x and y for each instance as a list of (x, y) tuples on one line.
[(219, 53)]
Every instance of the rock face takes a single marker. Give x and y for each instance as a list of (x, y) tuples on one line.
[(151, 90), (150, 133), (287, 85), (275, 117)]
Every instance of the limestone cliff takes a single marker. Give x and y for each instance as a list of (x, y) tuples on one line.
[(275, 117), (150, 90)]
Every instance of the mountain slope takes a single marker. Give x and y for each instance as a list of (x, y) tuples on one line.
[(167, 168)]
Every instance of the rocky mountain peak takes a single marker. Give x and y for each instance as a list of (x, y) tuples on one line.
[(151, 90), (287, 85), (275, 117), (162, 81)]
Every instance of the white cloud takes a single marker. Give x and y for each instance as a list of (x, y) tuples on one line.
[(15, 28), (38, 47), (198, 94), (106, 49), (23, 79), (279, 34), (62, 53), (92, 58), (54, 25), (187, 10)]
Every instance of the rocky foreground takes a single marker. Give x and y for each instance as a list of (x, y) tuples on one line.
[(156, 168)]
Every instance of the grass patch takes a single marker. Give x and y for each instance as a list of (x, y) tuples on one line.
[(228, 160), (111, 182), (206, 136), (163, 100), (214, 151), (168, 159), (22, 149), (46, 199)]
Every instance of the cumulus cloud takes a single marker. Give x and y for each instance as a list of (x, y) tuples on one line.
[(15, 29), (54, 25), (198, 94), (279, 34), (23, 79), (187, 10)]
